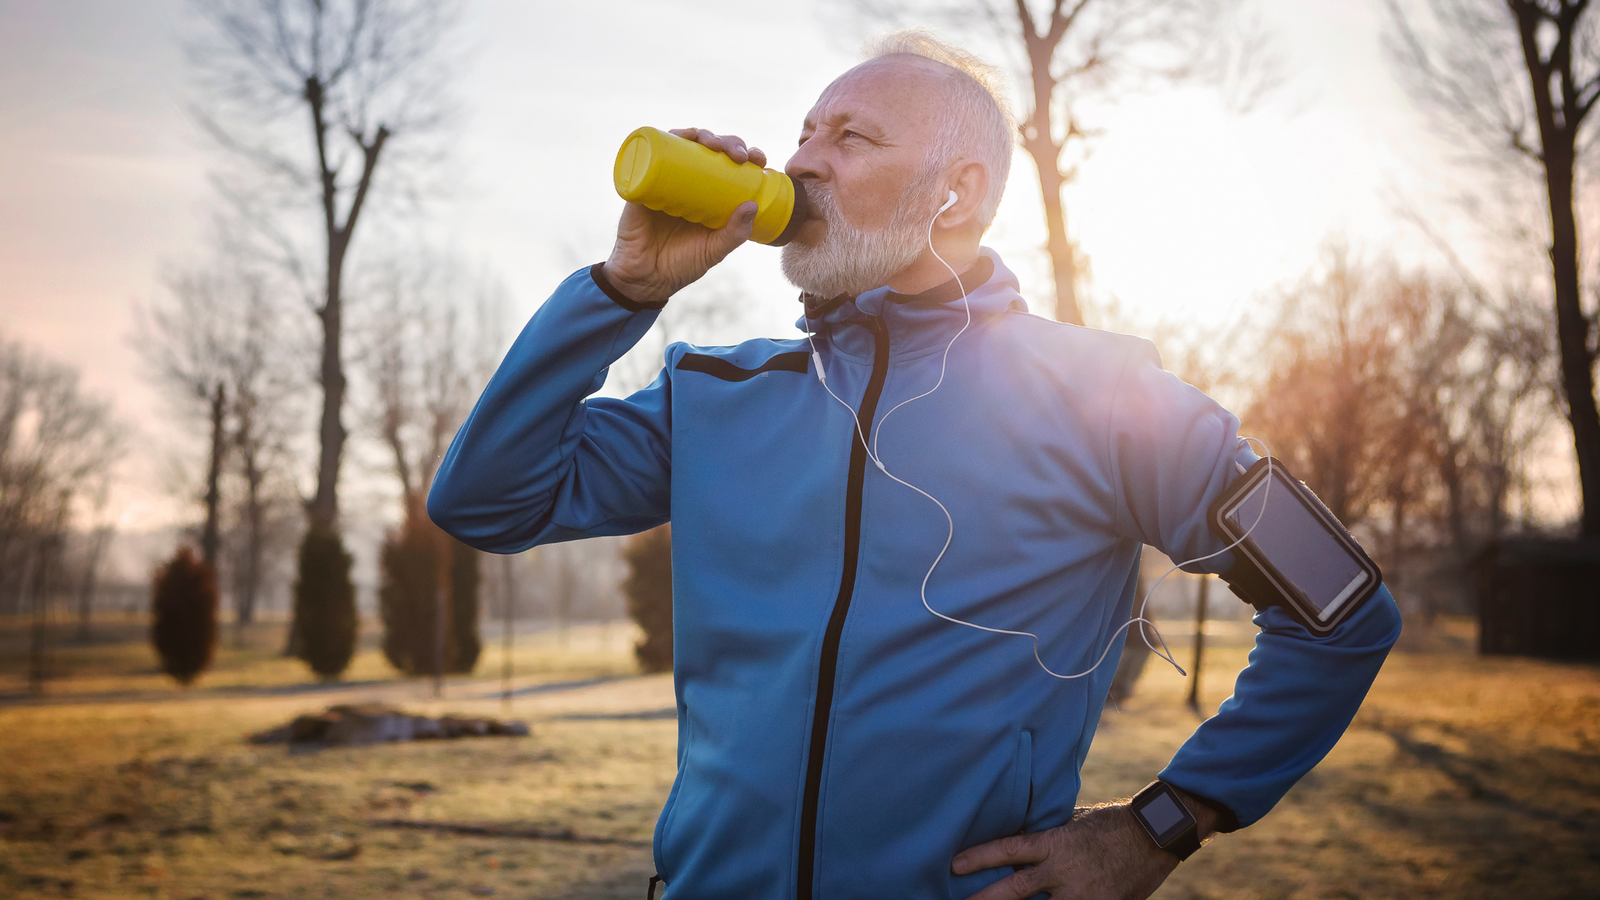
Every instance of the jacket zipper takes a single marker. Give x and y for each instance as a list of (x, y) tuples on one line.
[(827, 671)]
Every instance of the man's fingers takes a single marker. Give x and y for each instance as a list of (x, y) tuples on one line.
[(1016, 850), (730, 145), (1023, 884), (735, 148)]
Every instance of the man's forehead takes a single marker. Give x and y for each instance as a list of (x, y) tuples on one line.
[(890, 88)]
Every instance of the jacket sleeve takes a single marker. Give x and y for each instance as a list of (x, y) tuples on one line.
[(535, 462), (1173, 451)]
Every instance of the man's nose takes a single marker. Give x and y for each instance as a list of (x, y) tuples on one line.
[(806, 164)]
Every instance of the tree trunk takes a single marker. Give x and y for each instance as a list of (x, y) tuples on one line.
[(1135, 651), (33, 605), (324, 510), (91, 574), (1397, 524), (441, 624), (1038, 138), (1558, 133), (1063, 260), (508, 621), (566, 586), (1572, 334), (1453, 478), (211, 537), (1201, 596), (248, 584)]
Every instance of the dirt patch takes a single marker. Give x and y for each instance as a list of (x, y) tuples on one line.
[(357, 724)]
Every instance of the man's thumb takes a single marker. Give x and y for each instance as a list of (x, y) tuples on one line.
[(743, 222)]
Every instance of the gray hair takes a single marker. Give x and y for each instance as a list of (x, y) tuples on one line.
[(982, 128)]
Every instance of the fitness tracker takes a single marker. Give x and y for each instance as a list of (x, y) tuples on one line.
[(1167, 819)]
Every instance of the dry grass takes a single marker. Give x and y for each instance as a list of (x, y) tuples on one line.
[(111, 797), (1463, 778), (119, 663)]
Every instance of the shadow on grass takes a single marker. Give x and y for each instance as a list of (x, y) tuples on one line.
[(648, 715)]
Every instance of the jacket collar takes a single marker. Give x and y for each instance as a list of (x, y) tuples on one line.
[(976, 275), (990, 288)]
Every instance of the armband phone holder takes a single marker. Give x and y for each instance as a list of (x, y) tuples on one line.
[(1290, 550)]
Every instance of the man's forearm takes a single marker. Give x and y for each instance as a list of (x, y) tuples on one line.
[(1289, 707)]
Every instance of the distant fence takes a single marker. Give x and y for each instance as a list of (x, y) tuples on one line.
[(1539, 597)]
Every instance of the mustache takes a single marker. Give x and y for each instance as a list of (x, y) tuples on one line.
[(821, 201), (913, 207)]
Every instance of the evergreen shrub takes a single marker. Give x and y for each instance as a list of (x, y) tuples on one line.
[(649, 592), (408, 599), (325, 604), (183, 626)]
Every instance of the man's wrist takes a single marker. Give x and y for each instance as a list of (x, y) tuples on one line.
[(1205, 815), (1175, 821), (633, 296)]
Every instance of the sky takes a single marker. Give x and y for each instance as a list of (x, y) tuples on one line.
[(1187, 212)]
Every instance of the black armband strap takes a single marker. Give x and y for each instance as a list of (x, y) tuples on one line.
[(1248, 584), (1227, 820)]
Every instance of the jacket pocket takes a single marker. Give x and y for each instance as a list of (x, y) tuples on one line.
[(664, 823), (1021, 782)]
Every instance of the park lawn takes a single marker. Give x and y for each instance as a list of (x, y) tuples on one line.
[(118, 663), (1462, 777), (118, 784), (166, 800)]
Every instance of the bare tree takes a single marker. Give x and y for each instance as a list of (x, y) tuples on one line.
[(55, 442), (91, 555), (1070, 52), (264, 395), (187, 344), (1322, 400), (1408, 402), (1515, 393), (426, 362), (361, 75), (1516, 80), (210, 344), (430, 349)]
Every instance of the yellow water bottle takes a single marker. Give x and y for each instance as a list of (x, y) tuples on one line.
[(681, 178)]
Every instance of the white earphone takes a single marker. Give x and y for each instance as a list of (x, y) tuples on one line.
[(872, 453)]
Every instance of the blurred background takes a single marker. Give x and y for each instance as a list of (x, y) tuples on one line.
[(257, 259)]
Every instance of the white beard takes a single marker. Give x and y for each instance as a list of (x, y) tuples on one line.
[(850, 261)]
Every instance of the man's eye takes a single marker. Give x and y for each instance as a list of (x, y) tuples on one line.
[(848, 134)]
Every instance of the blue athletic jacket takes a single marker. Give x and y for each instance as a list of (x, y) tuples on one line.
[(835, 740)]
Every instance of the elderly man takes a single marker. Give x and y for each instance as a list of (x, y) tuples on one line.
[(841, 733)]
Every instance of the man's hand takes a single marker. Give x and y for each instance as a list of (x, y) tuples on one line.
[(657, 255), (1101, 854)]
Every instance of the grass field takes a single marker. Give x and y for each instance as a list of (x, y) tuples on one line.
[(1462, 778)]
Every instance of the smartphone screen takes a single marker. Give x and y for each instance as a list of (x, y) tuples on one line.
[(1299, 545)]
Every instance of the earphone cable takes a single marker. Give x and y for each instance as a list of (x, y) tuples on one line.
[(871, 448)]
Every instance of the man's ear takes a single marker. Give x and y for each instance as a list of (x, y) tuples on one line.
[(970, 180)]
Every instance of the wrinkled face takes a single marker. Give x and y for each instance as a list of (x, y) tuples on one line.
[(863, 160)]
